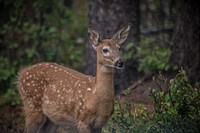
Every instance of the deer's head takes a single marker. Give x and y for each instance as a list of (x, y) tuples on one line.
[(108, 50)]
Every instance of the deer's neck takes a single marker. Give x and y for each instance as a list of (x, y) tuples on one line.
[(104, 86)]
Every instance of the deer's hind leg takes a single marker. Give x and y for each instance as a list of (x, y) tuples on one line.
[(34, 121), (49, 127)]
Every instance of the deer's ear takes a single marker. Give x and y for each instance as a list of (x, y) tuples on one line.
[(93, 37), (121, 35)]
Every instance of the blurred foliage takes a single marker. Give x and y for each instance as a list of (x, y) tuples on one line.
[(11, 97), (151, 56), (126, 120), (177, 110), (35, 31)]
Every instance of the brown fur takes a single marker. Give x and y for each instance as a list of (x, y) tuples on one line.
[(55, 96)]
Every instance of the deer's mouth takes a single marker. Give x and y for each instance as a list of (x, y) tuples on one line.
[(117, 66)]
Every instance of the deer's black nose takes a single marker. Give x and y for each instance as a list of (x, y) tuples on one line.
[(119, 63)]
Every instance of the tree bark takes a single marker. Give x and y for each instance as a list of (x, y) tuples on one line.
[(106, 17), (186, 40)]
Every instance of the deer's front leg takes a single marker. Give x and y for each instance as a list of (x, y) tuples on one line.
[(49, 127), (96, 130), (83, 128)]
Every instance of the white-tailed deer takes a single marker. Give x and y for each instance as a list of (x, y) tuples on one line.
[(55, 96)]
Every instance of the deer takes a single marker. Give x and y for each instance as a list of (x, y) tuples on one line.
[(57, 97)]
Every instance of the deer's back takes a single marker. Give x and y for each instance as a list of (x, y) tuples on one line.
[(50, 83)]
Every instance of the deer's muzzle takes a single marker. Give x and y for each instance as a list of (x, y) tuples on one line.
[(119, 63)]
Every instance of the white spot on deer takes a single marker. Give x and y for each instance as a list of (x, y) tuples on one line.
[(89, 89), (22, 88), (54, 86), (28, 84), (66, 71), (76, 83), (90, 80), (31, 106), (70, 90)]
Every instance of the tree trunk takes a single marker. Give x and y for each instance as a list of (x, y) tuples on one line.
[(186, 40), (106, 17)]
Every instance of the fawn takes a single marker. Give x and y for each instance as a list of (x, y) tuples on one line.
[(55, 96)]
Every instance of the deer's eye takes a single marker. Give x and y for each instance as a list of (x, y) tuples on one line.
[(105, 50)]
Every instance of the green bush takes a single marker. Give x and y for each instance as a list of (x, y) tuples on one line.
[(176, 110), (125, 120), (11, 97)]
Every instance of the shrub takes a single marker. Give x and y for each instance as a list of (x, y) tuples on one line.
[(176, 110), (125, 120)]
